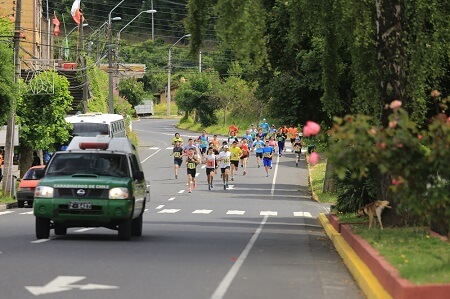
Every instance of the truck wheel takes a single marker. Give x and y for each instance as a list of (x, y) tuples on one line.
[(136, 226), (42, 228), (20, 204), (60, 230), (125, 230)]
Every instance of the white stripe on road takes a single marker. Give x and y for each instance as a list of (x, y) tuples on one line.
[(172, 198), (181, 191), (159, 207), (153, 148), (272, 191), (84, 229), (150, 156), (27, 213), (268, 213), (6, 212), (228, 279), (168, 211), (40, 241), (202, 212), (235, 212), (303, 214)]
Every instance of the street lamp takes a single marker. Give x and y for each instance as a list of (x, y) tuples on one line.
[(169, 69), (110, 68), (152, 11), (76, 27)]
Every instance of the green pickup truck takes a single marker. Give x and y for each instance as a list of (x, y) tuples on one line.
[(96, 182)]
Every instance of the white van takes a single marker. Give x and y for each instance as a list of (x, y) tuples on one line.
[(94, 124)]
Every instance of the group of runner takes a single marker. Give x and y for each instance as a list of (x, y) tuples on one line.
[(232, 152)]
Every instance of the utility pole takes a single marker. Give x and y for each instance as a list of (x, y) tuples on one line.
[(9, 142)]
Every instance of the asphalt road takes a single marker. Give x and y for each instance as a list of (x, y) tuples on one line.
[(259, 239)]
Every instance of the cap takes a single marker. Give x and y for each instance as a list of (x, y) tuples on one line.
[(264, 119), (235, 141), (225, 146)]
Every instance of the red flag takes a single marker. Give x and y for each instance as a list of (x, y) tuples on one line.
[(56, 22), (76, 14)]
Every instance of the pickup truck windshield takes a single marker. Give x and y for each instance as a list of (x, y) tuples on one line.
[(89, 163)]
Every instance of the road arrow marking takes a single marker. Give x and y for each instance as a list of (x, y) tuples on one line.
[(168, 211), (235, 212), (202, 212), (303, 214), (64, 283), (268, 213)]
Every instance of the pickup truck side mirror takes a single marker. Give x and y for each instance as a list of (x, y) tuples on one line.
[(138, 175), (39, 173)]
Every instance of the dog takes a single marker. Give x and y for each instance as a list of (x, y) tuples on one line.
[(374, 208)]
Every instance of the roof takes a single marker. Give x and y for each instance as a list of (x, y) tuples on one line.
[(101, 143), (94, 117)]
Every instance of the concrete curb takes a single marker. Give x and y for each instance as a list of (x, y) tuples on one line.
[(368, 283)]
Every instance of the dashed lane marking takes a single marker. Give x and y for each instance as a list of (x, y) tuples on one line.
[(181, 191), (303, 214), (202, 212), (40, 241), (27, 213), (172, 198), (168, 211), (84, 229), (159, 207), (268, 213), (235, 212), (6, 212)]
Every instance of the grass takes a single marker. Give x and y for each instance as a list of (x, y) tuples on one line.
[(317, 173), (417, 256)]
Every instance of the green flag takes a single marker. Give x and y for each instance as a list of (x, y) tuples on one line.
[(66, 49)]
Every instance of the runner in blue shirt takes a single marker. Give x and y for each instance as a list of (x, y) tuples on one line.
[(267, 157), (265, 127), (204, 143), (258, 146)]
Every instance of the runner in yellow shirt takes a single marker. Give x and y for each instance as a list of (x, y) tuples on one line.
[(236, 154)]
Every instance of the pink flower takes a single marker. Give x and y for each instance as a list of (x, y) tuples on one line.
[(313, 158), (397, 181), (392, 124), (395, 104), (311, 128)]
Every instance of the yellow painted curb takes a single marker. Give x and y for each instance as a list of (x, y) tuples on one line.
[(368, 283)]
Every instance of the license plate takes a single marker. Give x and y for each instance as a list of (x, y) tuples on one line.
[(80, 205)]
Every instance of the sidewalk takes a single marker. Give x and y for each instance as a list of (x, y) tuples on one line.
[(4, 206)]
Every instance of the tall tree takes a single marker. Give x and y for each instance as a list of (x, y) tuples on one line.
[(7, 85), (41, 116)]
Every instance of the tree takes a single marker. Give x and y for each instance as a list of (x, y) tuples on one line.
[(41, 116), (132, 90), (7, 86), (197, 94)]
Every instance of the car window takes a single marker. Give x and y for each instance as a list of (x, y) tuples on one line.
[(30, 175)]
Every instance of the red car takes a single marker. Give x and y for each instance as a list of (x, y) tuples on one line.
[(25, 191)]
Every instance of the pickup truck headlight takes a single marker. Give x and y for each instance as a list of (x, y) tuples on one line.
[(44, 191), (118, 193)]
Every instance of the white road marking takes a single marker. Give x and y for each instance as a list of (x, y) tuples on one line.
[(228, 279), (197, 174), (84, 229), (150, 156), (40, 241), (27, 213), (159, 207), (303, 214), (172, 198), (6, 212), (181, 191), (168, 211), (65, 283), (235, 212), (230, 187), (169, 148), (153, 148), (202, 212), (268, 213), (203, 166), (272, 191)]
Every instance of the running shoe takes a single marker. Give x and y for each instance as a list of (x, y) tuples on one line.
[(189, 190), (244, 173), (259, 166), (267, 175), (232, 178), (209, 187), (224, 187), (195, 185), (296, 164), (227, 185), (176, 176)]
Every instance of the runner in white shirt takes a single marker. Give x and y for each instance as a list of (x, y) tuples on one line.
[(210, 161), (225, 162)]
